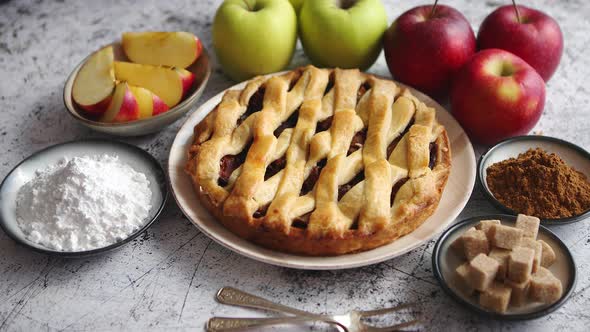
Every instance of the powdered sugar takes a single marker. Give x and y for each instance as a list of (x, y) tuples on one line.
[(83, 203)]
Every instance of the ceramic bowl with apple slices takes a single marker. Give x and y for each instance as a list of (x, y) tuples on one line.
[(122, 89)]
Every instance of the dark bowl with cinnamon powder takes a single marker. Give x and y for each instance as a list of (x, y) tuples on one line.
[(535, 175)]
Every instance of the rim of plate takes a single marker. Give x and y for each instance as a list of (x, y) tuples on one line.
[(195, 212)]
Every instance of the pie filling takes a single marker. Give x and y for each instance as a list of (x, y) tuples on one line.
[(357, 141), (330, 84), (343, 189), (289, 123), (261, 212), (312, 178), (433, 150), (275, 167), (301, 221), (393, 143), (254, 104), (395, 189), (323, 125), (229, 163), (362, 89)]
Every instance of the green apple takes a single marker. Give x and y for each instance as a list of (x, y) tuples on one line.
[(254, 37), (342, 33), (297, 5)]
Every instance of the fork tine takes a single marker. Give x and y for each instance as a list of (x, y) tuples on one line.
[(392, 328), (376, 312)]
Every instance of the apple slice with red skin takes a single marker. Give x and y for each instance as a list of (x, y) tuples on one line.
[(188, 78), (165, 82), (175, 49), (149, 104), (95, 82), (123, 106), (497, 95)]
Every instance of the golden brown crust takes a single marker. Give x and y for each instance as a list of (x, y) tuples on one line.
[(363, 218), (297, 242)]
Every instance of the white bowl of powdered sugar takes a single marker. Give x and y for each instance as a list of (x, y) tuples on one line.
[(82, 197)]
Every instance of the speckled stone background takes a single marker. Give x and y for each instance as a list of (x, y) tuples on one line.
[(166, 279)]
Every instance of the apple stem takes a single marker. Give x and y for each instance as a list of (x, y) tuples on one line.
[(516, 10), (248, 5), (433, 8)]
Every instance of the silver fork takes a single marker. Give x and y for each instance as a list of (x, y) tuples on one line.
[(350, 322)]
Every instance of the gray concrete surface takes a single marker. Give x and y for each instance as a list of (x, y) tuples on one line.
[(166, 279)]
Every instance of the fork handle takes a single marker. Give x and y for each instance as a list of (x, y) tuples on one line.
[(227, 324), (232, 296)]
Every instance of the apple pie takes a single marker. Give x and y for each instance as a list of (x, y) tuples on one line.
[(320, 161)]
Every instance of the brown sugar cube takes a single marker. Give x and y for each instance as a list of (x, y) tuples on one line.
[(496, 297), (545, 287), (505, 236), (520, 291), (462, 279), (520, 264), (547, 255), (529, 225), (527, 242), (486, 227), (501, 256), (475, 242), (457, 247), (482, 272)]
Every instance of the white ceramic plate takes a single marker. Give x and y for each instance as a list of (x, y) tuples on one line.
[(137, 158), (455, 196)]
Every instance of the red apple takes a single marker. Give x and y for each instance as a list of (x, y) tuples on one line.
[(536, 38), (424, 49), (497, 95)]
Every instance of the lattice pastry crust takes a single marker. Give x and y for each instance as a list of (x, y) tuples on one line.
[(320, 161)]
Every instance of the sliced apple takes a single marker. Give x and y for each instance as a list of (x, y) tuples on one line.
[(95, 82), (187, 77), (165, 82), (174, 49), (149, 103), (123, 106), (159, 106)]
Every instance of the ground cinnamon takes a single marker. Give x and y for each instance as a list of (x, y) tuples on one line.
[(539, 184)]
